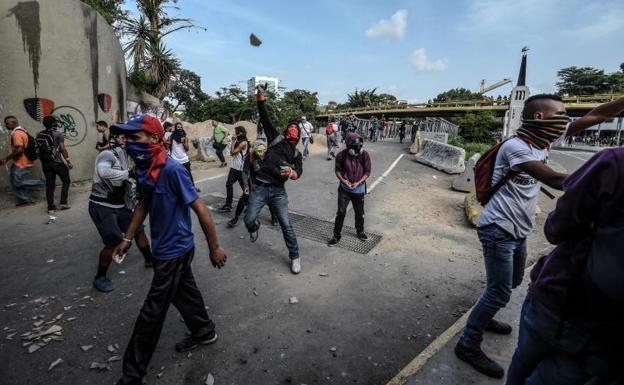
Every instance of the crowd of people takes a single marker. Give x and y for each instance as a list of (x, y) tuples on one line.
[(569, 328)]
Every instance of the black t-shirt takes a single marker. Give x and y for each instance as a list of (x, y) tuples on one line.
[(281, 153)]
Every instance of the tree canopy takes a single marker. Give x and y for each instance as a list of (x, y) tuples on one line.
[(110, 10), (589, 81), (456, 94)]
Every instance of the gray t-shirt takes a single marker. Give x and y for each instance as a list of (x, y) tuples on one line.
[(513, 206), (58, 138)]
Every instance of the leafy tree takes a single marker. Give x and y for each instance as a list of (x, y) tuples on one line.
[(477, 126), (363, 98), (456, 94), (110, 10), (617, 81), (186, 91), (583, 81), (386, 99)]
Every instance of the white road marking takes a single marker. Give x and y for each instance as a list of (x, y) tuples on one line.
[(209, 178), (385, 174)]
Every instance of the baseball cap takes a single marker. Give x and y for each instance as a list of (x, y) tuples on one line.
[(147, 123)]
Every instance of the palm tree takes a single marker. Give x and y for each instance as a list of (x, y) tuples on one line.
[(151, 61)]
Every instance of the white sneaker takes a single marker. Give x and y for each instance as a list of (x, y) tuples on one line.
[(295, 265)]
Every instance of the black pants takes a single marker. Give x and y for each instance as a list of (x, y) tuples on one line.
[(219, 151), (50, 171), (187, 165), (233, 177), (173, 282), (357, 200)]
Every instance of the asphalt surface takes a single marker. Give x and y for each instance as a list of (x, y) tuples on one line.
[(359, 319), (570, 160)]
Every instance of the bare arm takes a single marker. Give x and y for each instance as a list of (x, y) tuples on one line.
[(342, 179), (217, 255), (596, 116), (185, 143), (238, 147), (138, 216), (544, 174), (14, 155)]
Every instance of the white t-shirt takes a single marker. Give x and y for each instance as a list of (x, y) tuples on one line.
[(238, 162), (178, 153), (306, 129), (513, 206)]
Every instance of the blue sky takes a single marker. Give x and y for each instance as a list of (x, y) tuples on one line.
[(413, 49)]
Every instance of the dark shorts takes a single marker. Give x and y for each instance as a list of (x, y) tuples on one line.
[(111, 223)]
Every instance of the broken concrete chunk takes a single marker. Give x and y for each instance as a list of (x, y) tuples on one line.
[(33, 348), (293, 300), (333, 349), (98, 366), (113, 359), (86, 348), (323, 274), (71, 319), (55, 363), (111, 349), (209, 380)]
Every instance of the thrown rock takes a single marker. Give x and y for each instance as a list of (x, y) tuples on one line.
[(323, 274), (55, 363)]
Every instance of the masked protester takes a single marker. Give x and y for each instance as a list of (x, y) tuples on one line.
[(109, 209), (353, 167), (239, 152), (167, 194), (252, 162), (508, 217), (281, 162)]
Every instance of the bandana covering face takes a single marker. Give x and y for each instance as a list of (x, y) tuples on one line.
[(149, 158), (541, 133), (292, 134)]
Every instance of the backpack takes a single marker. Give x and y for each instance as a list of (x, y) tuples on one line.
[(329, 130), (31, 146), (46, 148), (484, 171)]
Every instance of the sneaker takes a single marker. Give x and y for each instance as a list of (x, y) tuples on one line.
[(232, 222), (253, 235), (190, 342), (333, 242), (295, 265), (52, 209), (498, 327), (479, 361), (103, 284), (362, 236), (64, 206), (225, 209)]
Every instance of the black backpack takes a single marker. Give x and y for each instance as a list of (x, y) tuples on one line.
[(31, 147), (46, 147)]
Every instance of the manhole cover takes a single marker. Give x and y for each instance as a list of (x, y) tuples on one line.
[(307, 227)]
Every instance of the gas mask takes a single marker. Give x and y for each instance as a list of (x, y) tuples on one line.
[(355, 148)]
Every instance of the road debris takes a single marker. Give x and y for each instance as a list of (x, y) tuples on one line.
[(86, 348), (55, 363), (99, 366), (209, 380), (293, 300)]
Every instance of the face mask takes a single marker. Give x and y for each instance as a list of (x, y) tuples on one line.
[(292, 135), (140, 153), (354, 149), (541, 133)]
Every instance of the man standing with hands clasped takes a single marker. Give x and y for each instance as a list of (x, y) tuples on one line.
[(166, 193), (353, 167)]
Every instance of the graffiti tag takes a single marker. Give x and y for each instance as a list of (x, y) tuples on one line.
[(73, 124)]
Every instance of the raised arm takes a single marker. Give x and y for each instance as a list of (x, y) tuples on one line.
[(596, 116), (269, 129)]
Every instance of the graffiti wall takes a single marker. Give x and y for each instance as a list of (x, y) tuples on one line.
[(60, 57)]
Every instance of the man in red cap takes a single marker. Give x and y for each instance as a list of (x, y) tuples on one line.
[(166, 193)]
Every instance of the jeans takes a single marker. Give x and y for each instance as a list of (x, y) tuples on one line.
[(504, 258), (277, 199), (373, 135), (538, 362), (306, 143), (51, 170), (21, 183), (344, 197), (332, 144), (233, 177), (173, 282)]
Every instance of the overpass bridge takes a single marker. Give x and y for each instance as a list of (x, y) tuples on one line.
[(575, 105)]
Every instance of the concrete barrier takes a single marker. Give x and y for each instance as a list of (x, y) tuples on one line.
[(443, 157), (415, 147), (473, 208), (207, 153), (465, 181)]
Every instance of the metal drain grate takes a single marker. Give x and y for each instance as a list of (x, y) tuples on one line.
[(307, 227)]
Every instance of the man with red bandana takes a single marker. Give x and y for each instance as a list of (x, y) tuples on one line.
[(282, 161), (166, 192)]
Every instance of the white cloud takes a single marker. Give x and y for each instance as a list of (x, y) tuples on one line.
[(392, 29), (419, 60)]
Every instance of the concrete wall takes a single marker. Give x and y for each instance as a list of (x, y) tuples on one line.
[(60, 57)]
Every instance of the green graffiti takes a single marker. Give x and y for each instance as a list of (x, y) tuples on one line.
[(68, 125), (73, 124)]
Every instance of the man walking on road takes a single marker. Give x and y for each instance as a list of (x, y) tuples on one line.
[(353, 167), (331, 132), (281, 162), (108, 207), (508, 217), (22, 164), (571, 323), (55, 162), (166, 193), (239, 152), (306, 129), (220, 134)]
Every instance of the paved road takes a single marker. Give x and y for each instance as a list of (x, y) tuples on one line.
[(570, 160), (378, 310)]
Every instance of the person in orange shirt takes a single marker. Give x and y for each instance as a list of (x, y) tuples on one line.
[(22, 165)]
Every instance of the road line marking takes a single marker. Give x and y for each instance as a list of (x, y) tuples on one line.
[(385, 174), (209, 178), (571, 156), (434, 347)]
